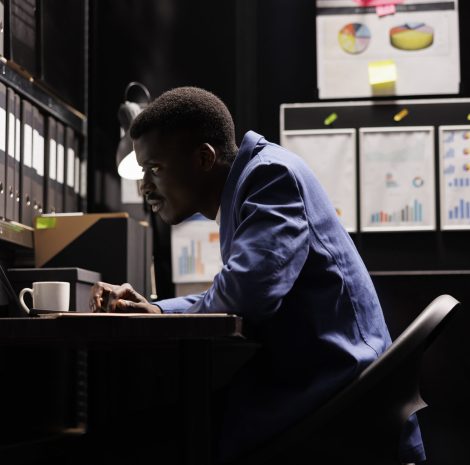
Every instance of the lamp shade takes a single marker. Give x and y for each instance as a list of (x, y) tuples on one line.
[(126, 161), (129, 168)]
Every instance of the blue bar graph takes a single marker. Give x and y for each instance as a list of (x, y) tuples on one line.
[(450, 153), (460, 211), (190, 259), (450, 169), (412, 213), (460, 182)]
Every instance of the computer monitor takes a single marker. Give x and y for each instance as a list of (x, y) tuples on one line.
[(15, 308)]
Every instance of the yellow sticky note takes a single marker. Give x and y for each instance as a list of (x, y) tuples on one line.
[(400, 115), (382, 72)]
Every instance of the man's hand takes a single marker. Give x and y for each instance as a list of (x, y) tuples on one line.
[(111, 298)]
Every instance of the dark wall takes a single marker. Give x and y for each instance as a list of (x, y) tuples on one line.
[(162, 44), (62, 41), (255, 54)]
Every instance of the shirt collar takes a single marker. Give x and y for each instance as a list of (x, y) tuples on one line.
[(217, 217), (244, 155)]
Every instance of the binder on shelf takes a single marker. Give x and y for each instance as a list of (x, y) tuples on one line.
[(10, 156), (2, 34), (27, 163), (38, 162), (51, 165), (60, 190), (69, 171), (3, 136), (77, 172), (17, 170), (23, 32), (83, 183)]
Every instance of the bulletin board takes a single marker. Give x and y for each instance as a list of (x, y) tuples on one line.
[(454, 175), (331, 154), (405, 180), (397, 178), (365, 51)]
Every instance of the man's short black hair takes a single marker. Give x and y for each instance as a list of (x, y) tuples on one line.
[(193, 109)]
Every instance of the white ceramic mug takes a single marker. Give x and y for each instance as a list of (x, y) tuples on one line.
[(48, 295)]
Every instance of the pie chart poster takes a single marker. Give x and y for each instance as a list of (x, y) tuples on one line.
[(421, 38)]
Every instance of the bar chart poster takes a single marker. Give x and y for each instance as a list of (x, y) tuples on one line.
[(331, 154), (195, 250), (454, 174), (397, 179)]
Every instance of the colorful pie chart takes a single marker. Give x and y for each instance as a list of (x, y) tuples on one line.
[(412, 36), (354, 38)]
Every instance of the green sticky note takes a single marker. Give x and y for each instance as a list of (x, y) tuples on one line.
[(330, 119), (382, 72), (45, 222)]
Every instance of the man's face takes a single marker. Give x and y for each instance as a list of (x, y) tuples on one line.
[(173, 178)]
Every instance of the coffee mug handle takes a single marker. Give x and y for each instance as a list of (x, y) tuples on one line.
[(22, 293)]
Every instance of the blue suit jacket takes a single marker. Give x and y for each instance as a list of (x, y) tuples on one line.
[(293, 273)]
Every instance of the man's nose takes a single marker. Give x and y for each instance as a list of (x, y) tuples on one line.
[(146, 185)]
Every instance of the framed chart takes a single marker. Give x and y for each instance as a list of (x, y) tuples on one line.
[(331, 154), (454, 176), (397, 181), (421, 42), (195, 250)]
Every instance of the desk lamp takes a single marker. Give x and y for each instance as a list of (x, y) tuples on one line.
[(125, 156)]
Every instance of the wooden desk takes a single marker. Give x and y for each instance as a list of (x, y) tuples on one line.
[(193, 333)]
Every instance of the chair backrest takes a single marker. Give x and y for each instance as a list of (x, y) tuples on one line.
[(377, 402)]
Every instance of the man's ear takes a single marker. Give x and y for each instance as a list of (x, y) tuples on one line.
[(207, 156)]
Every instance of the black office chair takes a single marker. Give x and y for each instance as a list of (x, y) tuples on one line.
[(362, 424)]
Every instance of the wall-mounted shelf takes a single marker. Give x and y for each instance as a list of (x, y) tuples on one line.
[(25, 84), (16, 233)]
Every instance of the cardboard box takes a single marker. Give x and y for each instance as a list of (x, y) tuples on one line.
[(112, 244), (80, 281)]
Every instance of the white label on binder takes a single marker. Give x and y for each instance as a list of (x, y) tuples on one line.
[(36, 150), (11, 135), (39, 154), (76, 185), (52, 159), (60, 163), (18, 139), (83, 188), (3, 128), (70, 166), (28, 146)]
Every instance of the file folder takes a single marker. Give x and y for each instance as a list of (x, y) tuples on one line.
[(83, 183), (38, 162), (70, 171), (2, 34), (51, 165), (10, 156), (27, 163), (60, 191), (3, 161), (17, 170), (76, 184)]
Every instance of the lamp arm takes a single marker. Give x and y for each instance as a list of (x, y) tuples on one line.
[(140, 86)]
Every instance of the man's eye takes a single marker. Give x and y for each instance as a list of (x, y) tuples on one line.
[(155, 169)]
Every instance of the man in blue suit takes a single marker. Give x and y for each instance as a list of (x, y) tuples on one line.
[(289, 267)]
